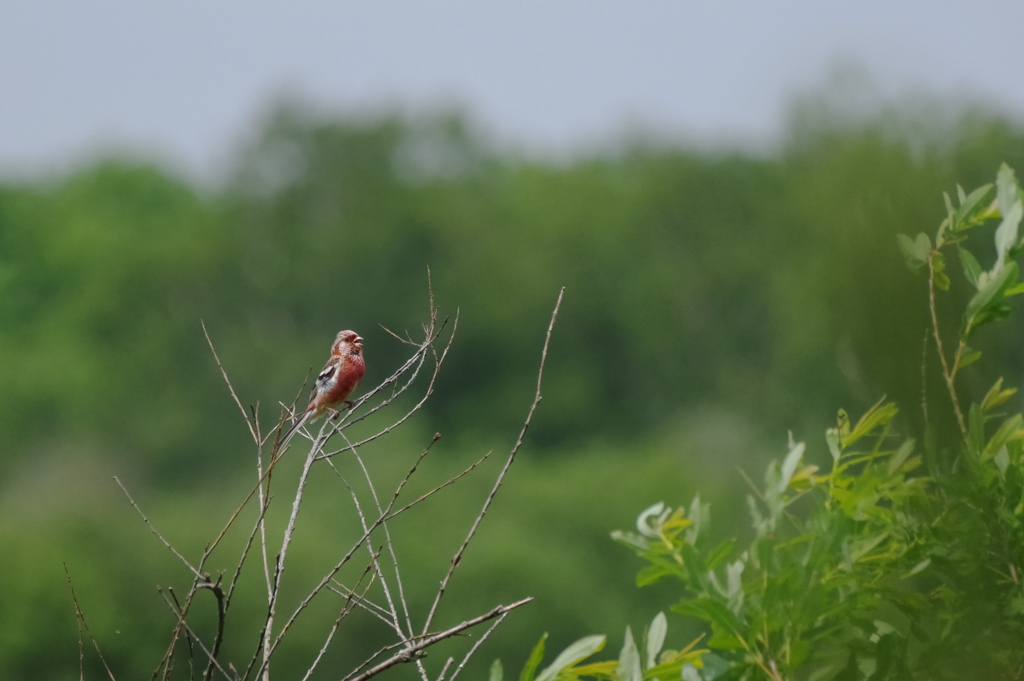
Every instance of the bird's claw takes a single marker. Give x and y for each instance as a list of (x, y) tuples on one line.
[(335, 414)]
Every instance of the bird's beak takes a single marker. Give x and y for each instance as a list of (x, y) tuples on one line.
[(358, 342)]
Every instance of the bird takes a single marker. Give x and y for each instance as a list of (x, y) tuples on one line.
[(336, 382)]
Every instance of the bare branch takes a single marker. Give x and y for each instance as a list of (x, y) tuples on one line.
[(181, 619), (448, 663), (231, 388), (365, 603), (395, 612), (285, 542), (218, 592), (159, 536), (390, 545), (410, 653), (476, 645), (345, 610), (439, 487), (501, 476), (392, 612), (83, 625), (257, 528)]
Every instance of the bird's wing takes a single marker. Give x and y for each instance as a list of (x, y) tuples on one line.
[(327, 374)]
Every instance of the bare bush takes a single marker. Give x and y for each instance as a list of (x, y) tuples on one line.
[(373, 584)]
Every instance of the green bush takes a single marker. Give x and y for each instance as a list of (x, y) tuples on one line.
[(903, 561)]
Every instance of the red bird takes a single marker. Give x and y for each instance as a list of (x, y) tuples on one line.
[(335, 383)]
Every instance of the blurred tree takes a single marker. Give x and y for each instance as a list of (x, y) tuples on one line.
[(763, 290)]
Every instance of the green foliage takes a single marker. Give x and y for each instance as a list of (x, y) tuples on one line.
[(763, 266), (635, 663), (828, 566), (874, 571), (760, 289)]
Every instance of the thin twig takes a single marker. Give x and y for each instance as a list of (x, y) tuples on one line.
[(475, 646), (285, 542), (410, 653), (231, 388), (448, 663), (440, 487), (345, 610), (159, 536), (392, 611), (218, 592), (389, 543), (83, 625), (946, 373), (330, 575), (501, 476), (245, 552), (181, 618), (188, 640), (924, 378), (363, 602)]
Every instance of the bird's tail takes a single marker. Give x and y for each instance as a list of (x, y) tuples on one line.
[(290, 433)]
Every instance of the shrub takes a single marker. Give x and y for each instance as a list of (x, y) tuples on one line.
[(902, 561)]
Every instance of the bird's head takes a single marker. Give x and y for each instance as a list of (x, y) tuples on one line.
[(347, 342)]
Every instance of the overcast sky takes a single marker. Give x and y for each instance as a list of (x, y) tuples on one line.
[(185, 79)]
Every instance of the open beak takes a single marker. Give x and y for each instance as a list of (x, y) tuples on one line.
[(358, 342)]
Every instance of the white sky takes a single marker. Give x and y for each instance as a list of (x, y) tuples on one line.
[(184, 80)]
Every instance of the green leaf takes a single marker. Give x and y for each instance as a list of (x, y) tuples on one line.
[(901, 455), (723, 622), (1006, 188), (720, 553), (1012, 210), (656, 638), (843, 423), (960, 195), (696, 568), (535, 657), (1011, 429), (1014, 290), (789, 464), (878, 415), (1006, 233), (972, 270), (1002, 461), (734, 583), (496, 671), (919, 567), (970, 206), (970, 358), (976, 430), (599, 670), (580, 650), (832, 438), (861, 547), (690, 673), (659, 512), (629, 661), (989, 293), (652, 573), (696, 515), (996, 396), (915, 252)]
